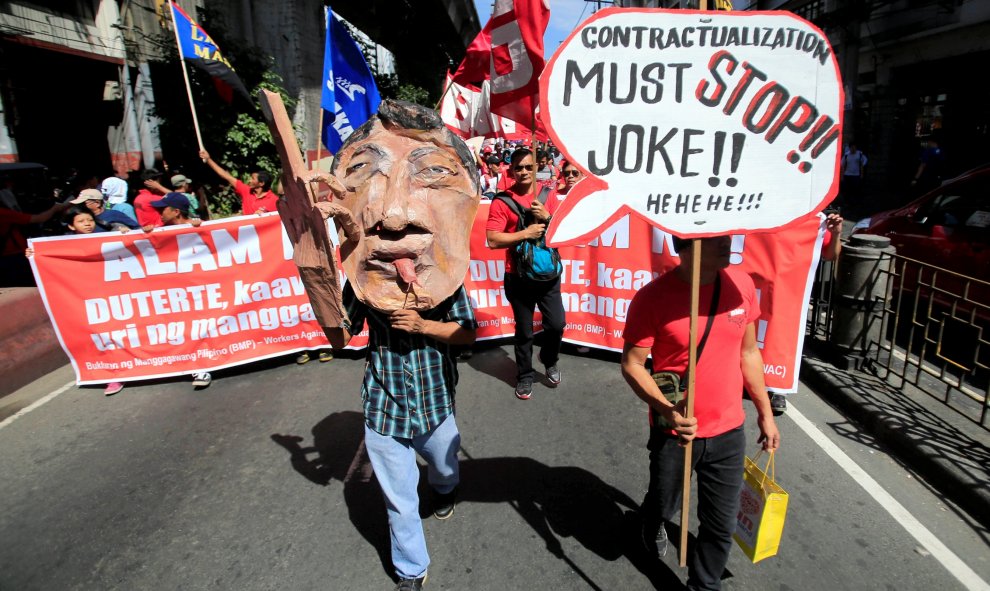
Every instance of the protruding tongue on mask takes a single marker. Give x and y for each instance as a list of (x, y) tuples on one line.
[(407, 270)]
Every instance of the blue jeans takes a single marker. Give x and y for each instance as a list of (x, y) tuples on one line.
[(718, 463), (394, 461)]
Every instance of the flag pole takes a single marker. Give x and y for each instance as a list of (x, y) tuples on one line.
[(319, 141), (446, 89), (185, 76), (532, 144), (692, 367)]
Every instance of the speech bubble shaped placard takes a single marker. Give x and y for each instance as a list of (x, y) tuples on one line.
[(703, 123)]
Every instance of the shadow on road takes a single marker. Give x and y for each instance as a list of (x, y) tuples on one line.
[(557, 502), (494, 361)]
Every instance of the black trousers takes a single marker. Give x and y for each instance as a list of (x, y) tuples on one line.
[(718, 463), (525, 296)]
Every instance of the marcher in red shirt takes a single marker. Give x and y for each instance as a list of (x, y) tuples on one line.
[(147, 216), (524, 294), (14, 268), (256, 195), (658, 322)]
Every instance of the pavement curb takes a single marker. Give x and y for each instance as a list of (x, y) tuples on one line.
[(847, 391), (27, 339)]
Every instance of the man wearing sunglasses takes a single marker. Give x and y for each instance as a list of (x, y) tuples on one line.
[(524, 294)]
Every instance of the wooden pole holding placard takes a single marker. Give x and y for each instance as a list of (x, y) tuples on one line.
[(692, 365), (689, 396), (185, 76)]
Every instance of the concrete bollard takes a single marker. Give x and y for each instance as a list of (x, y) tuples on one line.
[(860, 293)]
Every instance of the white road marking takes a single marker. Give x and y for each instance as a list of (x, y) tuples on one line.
[(48, 397), (969, 579)]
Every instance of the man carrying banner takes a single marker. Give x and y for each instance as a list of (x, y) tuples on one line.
[(728, 359), (525, 295), (174, 209), (256, 195), (405, 193)]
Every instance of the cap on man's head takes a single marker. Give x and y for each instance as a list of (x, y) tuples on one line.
[(87, 195), (174, 200), (180, 179)]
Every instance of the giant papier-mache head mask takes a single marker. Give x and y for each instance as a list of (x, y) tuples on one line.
[(412, 188)]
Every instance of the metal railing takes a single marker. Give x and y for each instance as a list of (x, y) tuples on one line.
[(934, 332)]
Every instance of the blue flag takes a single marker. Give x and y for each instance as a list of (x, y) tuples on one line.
[(201, 51), (350, 96)]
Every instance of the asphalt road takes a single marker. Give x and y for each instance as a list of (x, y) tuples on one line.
[(261, 482)]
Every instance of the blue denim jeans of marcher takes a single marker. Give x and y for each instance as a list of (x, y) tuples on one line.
[(718, 463), (394, 461)]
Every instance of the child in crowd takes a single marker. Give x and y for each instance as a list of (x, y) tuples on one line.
[(80, 220)]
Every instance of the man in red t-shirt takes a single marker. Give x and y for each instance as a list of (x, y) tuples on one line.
[(148, 217), (15, 271), (256, 195), (524, 294), (658, 323)]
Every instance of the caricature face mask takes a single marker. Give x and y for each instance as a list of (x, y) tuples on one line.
[(412, 189)]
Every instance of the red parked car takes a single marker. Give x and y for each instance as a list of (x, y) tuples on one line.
[(948, 227)]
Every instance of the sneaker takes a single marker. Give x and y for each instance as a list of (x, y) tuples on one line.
[(524, 389), (112, 388), (303, 358), (582, 349), (655, 544), (443, 503), (553, 376), (201, 380), (326, 356), (778, 404), (411, 584)]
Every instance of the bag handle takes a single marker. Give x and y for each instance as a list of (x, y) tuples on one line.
[(770, 469)]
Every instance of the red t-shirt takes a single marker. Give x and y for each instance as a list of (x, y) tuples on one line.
[(502, 219), (251, 204), (659, 318), (146, 214)]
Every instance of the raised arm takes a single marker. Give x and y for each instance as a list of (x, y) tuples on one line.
[(221, 172)]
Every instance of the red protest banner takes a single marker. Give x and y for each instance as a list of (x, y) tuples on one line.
[(599, 281), (139, 306), (176, 301)]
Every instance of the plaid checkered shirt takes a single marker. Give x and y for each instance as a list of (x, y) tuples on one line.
[(409, 379)]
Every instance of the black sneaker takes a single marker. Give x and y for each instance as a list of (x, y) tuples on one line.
[(443, 503), (553, 376), (524, 389), (778, 404), (411, 584), (656, 544)]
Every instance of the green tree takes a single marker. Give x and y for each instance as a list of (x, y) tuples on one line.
[(235, 134)]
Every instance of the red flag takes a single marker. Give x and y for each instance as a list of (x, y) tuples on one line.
[(509, 53), (458, 109)]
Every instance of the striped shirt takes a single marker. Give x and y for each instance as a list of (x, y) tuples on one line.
[(409, 379)]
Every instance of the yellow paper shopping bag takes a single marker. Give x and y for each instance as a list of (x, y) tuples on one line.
[(762, 509)]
